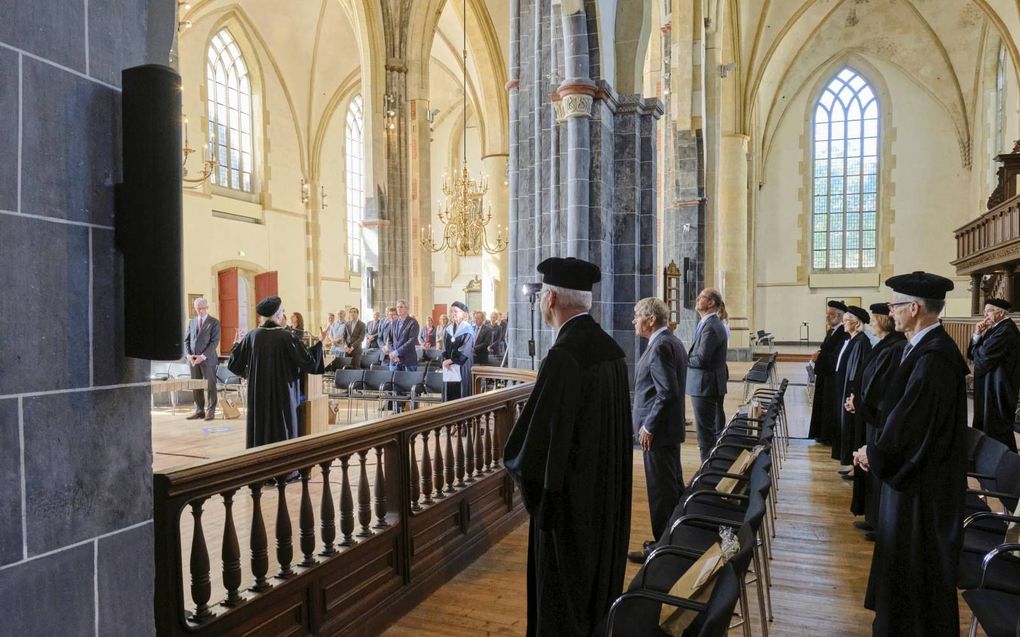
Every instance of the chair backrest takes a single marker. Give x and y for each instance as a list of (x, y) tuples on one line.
[(159, 370), (714, 621), (403, 381), (434, 382), (375, 378), (223, 374), (179, 370), (370, 357), (344, 377), (433, 355), (1007, 477)]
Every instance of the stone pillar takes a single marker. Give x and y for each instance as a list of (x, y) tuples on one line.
[(975, 294), (495, 267), (733, 273), (574, 112), (419, 207), (393, 280), (1008, 272)]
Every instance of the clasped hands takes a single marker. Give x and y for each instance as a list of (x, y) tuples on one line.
[(861, 458)]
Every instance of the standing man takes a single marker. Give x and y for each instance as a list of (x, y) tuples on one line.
[(658, 414), (372, 331), (570, 453), (459, 350), (272, 360), (385, 330), (201, 344), (707, 372), (355, 335), (824, 407), (483, 339), (920, 459), (336, 333), (995, 350), (404, 340)]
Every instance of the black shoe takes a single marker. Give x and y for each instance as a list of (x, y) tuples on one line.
[(847, 476), (195, 416), (862, 525), (210, 416), (870, 536), (843, 472), (638, 557)]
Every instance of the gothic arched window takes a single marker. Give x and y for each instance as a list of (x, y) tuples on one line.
[(230, 113), (354, 154), (845, 170), (1000, 101)]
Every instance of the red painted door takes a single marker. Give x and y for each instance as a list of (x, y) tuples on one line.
[(228, 308), (266, 285)]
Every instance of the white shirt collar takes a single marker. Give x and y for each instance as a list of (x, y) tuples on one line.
[(556, 334), (705, 317), (916, 338), (656, 333)]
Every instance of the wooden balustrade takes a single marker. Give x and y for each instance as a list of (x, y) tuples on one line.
[(990, 240), (431, 495)]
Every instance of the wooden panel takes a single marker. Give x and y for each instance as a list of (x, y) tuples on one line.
[(228, 308), (266, 284)]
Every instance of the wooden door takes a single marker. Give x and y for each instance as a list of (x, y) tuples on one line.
[(266, 285), (228, 308)]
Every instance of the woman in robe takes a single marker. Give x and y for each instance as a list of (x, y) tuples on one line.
[(458, 350), (849, 366)]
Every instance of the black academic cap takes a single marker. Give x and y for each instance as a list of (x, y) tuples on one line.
[(923, 285), (268, 306), (879, 308), (462, 306), (860, 313), (1002, 304), (570, 273), (837, 305)]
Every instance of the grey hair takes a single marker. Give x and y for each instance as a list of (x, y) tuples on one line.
[(653, 307), (200, 299), (572, 299), (401, 302), (931, 306)]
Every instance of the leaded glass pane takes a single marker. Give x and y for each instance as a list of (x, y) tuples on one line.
[(835, 222), (819, 222), (870, 146), (853, 166), (819, 241), (852, 259), (821, 207), (821, 186), (869, 239), (869, 220), (868, 259), (853, 221), (836, 185), (229, 112), (819, 260), (836, 259)]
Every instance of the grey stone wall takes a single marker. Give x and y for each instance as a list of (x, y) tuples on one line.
[(606, 211), (75, 445), (683, 227)]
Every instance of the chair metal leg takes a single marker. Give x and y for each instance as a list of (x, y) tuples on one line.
[(761, 595), (745, 611), (972, 631)]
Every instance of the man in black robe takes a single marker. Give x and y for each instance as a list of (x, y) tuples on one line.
[(824, 406), (272, 360), (995, 350), (920, 458), (849, 365), (571, 454)]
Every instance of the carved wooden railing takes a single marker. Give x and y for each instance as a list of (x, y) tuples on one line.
[(385, 513), (991, 239)]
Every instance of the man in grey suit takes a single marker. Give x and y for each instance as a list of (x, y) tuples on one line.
[(355, 336), (707, 372), (658, 414), (200, 345)]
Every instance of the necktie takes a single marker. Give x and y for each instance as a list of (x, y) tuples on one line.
[(906, 351), (200, 322)]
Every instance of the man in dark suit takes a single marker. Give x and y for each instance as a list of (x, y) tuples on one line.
[(355, 336), (707, 372), (995, 350), (403, 340), (200, 345), (372, 331), (658, 413), (483, 339)]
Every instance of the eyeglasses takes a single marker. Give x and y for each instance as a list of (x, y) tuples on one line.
[(892, 305)]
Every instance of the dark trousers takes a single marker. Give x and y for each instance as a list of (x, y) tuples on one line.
[(709, 420), (664, 480), (206, 370)]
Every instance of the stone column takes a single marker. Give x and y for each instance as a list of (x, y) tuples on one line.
[(732, 274), (1008, 272), (574, 111), (393, 280), (495, 267), (419, 207)]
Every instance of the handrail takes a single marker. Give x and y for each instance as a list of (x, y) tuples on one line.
[(420, 495), (990, 240)]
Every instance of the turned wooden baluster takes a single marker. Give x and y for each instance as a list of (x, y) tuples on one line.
[(497, 442), (327, 513), (231, 553), (380, 491), (487, 447), (258, 542), (470, 460), (364, 498), (479, 443), (415, 487), (306, 522), (284, 533), (346, 505), (449, 466), (459, 428), (426, 468), (438, 467), (201, 588)]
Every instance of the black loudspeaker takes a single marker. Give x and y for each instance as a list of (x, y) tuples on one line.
[(148, 222)]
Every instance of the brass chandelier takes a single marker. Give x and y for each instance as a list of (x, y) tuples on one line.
[(465, 215)]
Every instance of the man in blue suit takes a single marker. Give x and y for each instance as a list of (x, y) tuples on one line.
[(404, 338), (707, 373), (658, 414)]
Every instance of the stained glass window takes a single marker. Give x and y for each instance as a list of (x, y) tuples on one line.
[(354, 145), (230, 113), (845, 178)]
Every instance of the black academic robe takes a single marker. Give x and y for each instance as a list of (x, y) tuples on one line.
[(824, 409), (850, 366), (996, 356), (570, 453), (869, 393), (920, 458), (460, 350), (272, 360)]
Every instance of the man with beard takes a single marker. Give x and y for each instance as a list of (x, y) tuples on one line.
[(995, 350), (920, 458), (570, 452), (826, 399), (272, 360)]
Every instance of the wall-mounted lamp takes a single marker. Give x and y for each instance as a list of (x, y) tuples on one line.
[(391, 111), (304, 191), (322, 197), (430, 115), (726, 69)]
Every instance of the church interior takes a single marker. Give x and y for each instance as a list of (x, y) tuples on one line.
[(348, 154)]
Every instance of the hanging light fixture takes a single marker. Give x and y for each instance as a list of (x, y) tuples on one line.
[(464, 216)]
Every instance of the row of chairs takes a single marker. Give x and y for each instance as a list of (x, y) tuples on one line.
[(226, 380), (376, 359), (694, 529), (762, 372), (760, 339), (396, 388), (989, 567)]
